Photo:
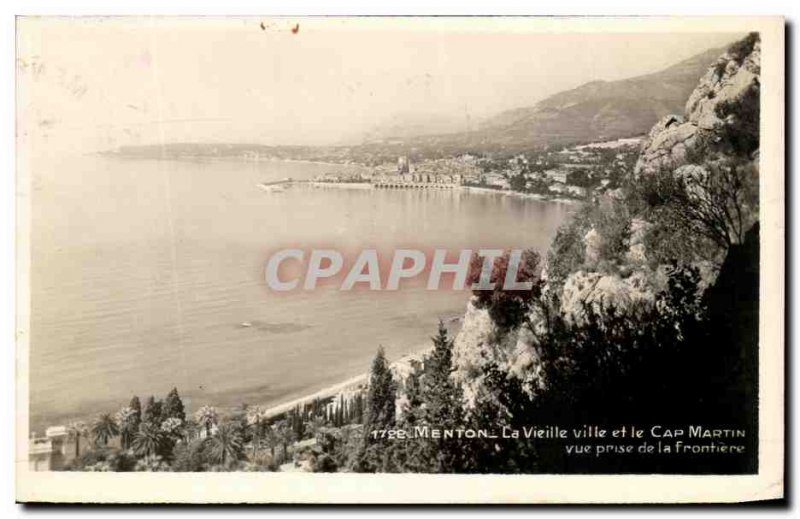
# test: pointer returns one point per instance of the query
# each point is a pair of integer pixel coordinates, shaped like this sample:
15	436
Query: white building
48	452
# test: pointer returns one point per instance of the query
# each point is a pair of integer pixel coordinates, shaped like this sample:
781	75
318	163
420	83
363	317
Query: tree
150	440
518	182
506	307
412	454
717	200
602	369
104	428
190	456
75	431
226	445
255	419
380	415
136	407
443	402
207	418
152	411
284	435
271	438
173	428
173	406
381	393
128	423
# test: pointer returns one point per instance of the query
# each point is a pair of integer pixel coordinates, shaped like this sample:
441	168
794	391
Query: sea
148	274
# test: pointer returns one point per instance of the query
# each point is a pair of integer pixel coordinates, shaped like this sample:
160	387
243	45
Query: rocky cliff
728	82
718	120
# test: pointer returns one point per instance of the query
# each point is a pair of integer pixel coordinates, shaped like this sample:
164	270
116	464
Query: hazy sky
100	83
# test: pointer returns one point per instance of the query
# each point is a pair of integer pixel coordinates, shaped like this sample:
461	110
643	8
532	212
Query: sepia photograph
350	248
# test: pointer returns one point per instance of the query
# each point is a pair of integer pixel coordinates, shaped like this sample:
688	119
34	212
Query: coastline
517	194
352	383
465	189
401	364
272	409
343	185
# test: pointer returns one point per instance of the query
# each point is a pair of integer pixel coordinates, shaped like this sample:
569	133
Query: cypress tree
136	405
152	411
381	394
373	456
173	406
442	398
412	455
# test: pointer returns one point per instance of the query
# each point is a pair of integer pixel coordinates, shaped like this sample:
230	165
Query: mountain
595	111
599	110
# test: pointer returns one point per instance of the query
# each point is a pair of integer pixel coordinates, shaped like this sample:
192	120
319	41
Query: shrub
717	202
740	133
742	48
190	456
507	307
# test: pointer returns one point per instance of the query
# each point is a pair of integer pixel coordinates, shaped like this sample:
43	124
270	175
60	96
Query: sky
99	83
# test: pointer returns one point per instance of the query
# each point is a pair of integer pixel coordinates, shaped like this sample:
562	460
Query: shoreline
465	189
273	409
453	324
341	185
340	387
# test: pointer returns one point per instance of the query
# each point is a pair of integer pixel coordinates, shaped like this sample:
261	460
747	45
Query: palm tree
149	440
75	431
104	428
127	421
271	438
206	417
285	435
226	444
255	417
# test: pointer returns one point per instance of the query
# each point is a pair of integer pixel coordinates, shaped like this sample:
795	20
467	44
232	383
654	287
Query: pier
388	184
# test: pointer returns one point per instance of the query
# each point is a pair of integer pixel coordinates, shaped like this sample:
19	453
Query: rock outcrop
480	343
628	281
729	79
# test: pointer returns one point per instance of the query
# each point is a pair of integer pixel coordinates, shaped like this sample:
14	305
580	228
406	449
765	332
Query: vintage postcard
400	260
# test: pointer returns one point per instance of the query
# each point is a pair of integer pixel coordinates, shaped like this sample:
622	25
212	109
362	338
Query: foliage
190	456
717	201
136	407
76	431
128	423
152	464
443	405
104	428
206	417
609	222
173	428
506	307
739	135
103	459
173	406
150	441
226	445
658	364
742	48
153	412
373	455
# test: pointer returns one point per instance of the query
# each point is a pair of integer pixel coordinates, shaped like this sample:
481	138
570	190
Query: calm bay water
149	274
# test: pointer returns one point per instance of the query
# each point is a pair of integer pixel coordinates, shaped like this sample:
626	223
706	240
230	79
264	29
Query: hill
603	110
